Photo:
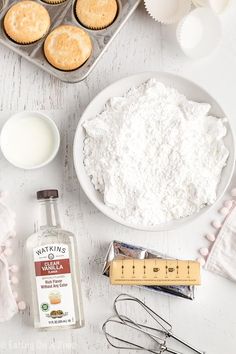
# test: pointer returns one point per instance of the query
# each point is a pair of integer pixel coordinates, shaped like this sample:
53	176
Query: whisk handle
186	344
172	351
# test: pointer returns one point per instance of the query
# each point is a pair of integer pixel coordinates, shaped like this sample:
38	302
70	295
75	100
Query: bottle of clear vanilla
54	270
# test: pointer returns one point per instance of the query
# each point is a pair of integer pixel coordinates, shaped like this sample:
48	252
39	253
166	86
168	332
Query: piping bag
222	257
8	305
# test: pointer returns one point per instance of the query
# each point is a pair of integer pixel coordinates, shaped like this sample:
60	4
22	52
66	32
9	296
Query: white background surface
209	322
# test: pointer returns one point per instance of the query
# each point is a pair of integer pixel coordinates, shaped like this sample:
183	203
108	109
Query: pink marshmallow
14	280
211	237
228	204
8	251
216	224
14	268
21	305
201	260
224	211
204	251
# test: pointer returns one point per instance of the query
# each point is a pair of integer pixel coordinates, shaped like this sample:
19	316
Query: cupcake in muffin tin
107	17
66	47
96	14
26	22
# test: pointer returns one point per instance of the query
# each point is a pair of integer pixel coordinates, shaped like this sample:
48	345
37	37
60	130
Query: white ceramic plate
119	88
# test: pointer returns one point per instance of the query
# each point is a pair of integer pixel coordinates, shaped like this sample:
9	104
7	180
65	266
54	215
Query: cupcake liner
94	28
53	2
167	11
200	3
23	42
218	6
199	33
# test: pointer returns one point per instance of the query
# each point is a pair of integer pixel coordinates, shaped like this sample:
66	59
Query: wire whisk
127	327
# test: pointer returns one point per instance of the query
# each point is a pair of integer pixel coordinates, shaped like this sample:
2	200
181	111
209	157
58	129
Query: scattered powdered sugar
154	155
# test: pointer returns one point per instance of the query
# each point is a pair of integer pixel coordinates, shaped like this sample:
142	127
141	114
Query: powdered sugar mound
154	155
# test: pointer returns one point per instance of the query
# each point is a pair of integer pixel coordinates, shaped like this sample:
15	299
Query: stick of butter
154	272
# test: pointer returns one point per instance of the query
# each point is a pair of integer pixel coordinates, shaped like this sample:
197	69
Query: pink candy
8	252
21	305
211	237
228	204
224	211
14	268
216	224
14	280
204	251
201	261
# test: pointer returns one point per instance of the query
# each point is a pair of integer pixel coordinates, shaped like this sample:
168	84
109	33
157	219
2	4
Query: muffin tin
63	13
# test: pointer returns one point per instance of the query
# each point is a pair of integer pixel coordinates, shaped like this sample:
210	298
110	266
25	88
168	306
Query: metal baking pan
64	14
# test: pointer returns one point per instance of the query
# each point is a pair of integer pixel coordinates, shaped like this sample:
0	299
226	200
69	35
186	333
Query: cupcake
96	14
67	47
26	22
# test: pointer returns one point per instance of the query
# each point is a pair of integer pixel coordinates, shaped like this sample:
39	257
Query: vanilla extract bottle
53	263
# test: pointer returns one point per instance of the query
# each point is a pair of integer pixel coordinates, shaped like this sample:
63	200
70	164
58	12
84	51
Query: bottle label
54	285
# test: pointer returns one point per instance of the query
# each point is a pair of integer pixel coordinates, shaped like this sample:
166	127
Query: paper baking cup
94	28
54	2
218	6
199	3
199	32
167	11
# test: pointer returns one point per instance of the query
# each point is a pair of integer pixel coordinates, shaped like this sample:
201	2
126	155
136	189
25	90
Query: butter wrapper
121	250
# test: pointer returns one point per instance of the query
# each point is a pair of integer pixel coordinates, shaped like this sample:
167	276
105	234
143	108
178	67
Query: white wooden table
209	322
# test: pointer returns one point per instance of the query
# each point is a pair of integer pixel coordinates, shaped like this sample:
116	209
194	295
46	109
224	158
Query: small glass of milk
29	140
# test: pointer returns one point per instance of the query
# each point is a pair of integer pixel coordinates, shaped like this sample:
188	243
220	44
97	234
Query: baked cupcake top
96	14
26	22
67	47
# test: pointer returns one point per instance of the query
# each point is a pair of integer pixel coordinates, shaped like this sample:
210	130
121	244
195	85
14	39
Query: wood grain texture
209	322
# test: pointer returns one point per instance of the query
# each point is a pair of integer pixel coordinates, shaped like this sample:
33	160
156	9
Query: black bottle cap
47	194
